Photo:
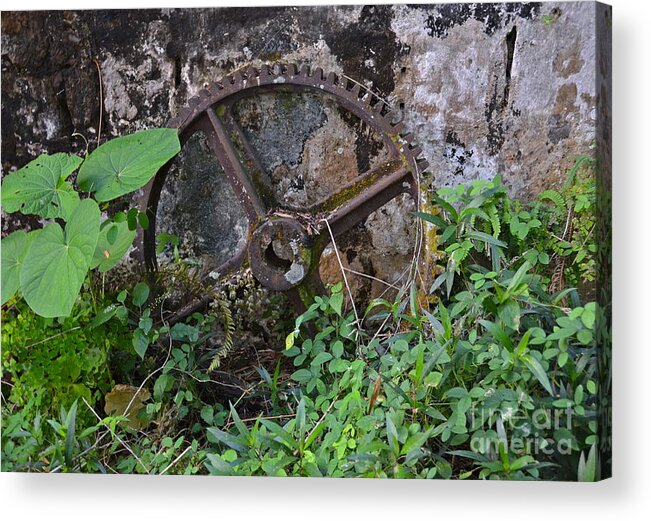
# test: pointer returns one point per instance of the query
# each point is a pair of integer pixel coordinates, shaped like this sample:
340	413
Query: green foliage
480	226
51	362
41	187
50	265
466	389
57	260
492	375
115	239
14	249
124	165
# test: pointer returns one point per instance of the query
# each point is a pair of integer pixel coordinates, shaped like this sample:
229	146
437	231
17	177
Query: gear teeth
355	91
331	79
252	73
305	71
318	74
407	138
215	88
388	117
194	102
415	151
422	164
377	108
368	100
184	114
292	70
265	71
204	94
237	78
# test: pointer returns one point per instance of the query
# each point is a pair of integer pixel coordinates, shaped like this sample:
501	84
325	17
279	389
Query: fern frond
228	323
555	197
494	218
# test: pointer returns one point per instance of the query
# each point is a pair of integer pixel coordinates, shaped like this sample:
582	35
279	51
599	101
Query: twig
83	453
322	417
101	99
343	273
359	273
53	336
277	417
123	443
176	460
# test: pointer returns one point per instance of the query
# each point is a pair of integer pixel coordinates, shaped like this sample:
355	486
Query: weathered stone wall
485	89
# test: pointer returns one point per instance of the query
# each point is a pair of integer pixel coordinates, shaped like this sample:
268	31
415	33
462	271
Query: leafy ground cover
489	372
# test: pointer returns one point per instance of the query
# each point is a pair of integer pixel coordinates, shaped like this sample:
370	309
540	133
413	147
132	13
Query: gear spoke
221	144
249	158
368	193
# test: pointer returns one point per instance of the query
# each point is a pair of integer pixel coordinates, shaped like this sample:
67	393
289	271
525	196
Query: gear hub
280	254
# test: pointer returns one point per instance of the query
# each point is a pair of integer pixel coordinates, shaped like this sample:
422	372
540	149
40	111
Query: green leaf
518	278
321	359
484	237
70	434
497	333
415	441
337	348
105	315
392	435
587	470
14	248
239	424
436	220
114	241
140	342
56	263
125	164
140	294
336	302
143	220
207	414
300	418
280	433
227	439
314	434
524	342
40	187
509	314
218	466
454	216
302	375
538	371
289	340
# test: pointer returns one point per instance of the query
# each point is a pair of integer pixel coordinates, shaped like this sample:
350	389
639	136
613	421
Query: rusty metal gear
285	242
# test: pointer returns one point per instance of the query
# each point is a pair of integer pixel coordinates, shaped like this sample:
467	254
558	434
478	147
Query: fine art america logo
524	429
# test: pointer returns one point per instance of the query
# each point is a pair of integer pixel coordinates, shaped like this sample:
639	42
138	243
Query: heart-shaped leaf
14	248
114	241
41	188
57	261
127	163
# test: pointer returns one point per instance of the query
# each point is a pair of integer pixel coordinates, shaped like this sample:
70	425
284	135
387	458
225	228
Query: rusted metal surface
286	242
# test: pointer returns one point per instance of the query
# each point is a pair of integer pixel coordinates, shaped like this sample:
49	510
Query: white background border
627	495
